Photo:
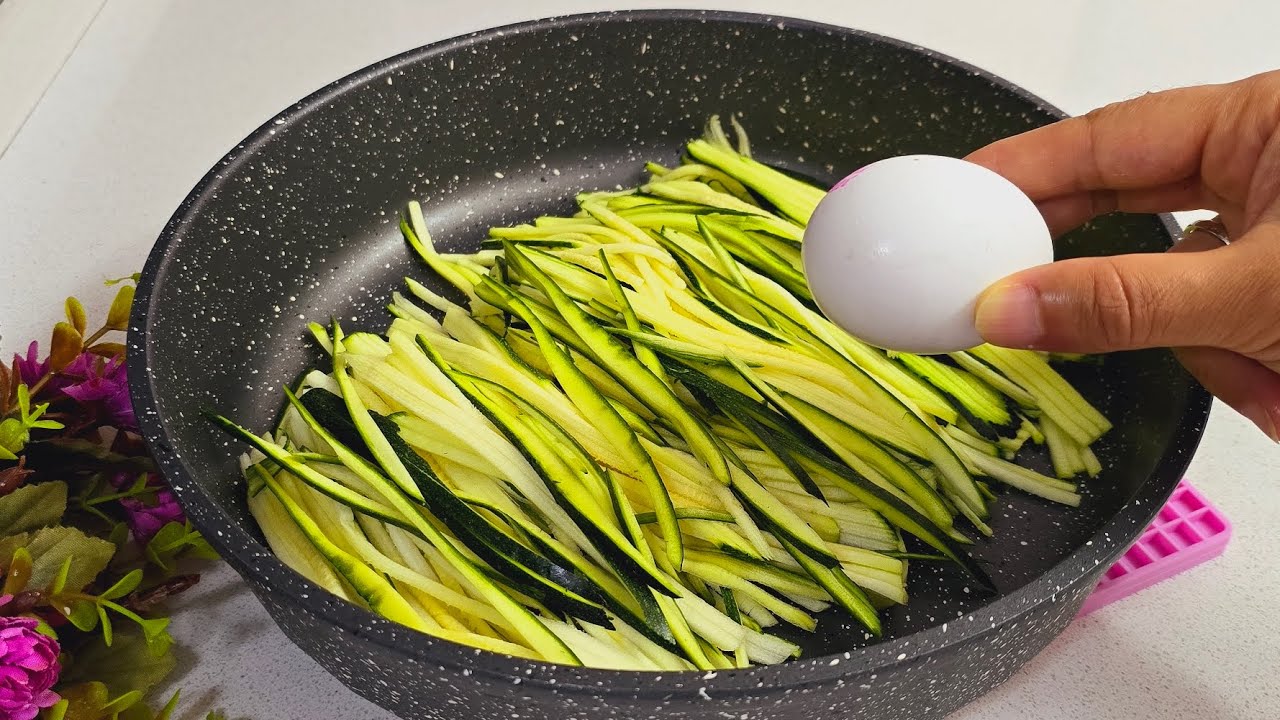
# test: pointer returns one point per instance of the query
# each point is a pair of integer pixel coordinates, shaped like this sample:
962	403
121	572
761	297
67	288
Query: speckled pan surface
297	223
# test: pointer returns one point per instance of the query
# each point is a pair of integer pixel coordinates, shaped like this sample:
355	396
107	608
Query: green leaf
33	506
119	534
169	707
199	547
166	544
11	543
169	537
123	586
154	627
129	664
18	574
81	613
57	712
139	485
137	712
176	540
30	418
15	433
65	345
160	644
85	700
13	437
123	702
46	629
75	315
105	623
139	489
134	278
140	712
118	315
157	636
60	580
51	546
108	349
92	701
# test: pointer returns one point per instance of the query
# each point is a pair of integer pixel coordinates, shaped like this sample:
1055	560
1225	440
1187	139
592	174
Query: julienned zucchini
560	587
637	445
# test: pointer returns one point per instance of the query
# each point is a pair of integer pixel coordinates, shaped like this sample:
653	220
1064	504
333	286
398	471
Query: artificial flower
95	382
145	518
28	669
31	368
90	435
147	512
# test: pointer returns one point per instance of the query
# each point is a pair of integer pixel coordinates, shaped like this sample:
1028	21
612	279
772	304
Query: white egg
898	252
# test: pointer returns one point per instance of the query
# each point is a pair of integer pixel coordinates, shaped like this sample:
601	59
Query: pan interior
497	131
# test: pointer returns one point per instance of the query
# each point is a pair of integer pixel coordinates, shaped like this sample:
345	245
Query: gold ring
1213	228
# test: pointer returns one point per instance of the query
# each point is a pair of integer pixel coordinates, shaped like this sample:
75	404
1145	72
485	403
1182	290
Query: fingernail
1009	315
1265	419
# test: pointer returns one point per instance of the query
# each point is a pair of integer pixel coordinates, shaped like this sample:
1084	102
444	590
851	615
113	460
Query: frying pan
298	222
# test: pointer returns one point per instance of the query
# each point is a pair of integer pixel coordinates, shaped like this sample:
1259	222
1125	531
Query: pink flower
145	520
30	369
91	381
28	669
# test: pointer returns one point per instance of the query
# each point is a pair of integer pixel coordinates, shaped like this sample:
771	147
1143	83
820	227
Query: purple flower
123	479
91	381
145	519
30	369
145	515
28	669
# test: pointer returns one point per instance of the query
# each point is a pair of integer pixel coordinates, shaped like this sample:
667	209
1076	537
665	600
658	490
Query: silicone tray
1188	531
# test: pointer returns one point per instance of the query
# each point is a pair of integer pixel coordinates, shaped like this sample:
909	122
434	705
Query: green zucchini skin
560	588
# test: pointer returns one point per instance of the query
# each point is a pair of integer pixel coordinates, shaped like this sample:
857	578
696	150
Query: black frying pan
298	221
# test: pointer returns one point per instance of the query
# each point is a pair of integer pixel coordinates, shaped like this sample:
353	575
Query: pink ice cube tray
1187	531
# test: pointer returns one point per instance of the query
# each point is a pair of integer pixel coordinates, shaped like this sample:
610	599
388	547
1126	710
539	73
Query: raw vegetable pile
636	444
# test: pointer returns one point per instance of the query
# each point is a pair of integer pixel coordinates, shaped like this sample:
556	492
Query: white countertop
154	93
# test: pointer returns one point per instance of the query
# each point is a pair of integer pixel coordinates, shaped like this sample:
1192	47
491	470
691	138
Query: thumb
1126	302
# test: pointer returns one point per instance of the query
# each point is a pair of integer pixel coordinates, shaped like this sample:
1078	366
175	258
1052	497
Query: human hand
1214	147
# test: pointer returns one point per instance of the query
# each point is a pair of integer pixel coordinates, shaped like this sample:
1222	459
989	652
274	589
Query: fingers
1215	147
1143	155
1244	384
1212	146
1223	297
1104	304
1152	142
1065	212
